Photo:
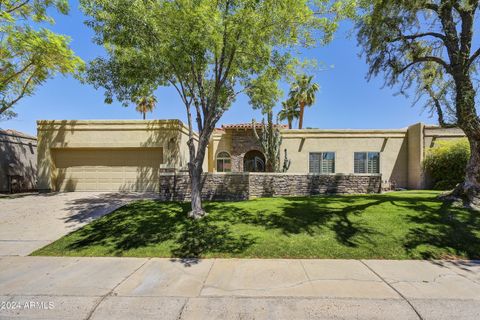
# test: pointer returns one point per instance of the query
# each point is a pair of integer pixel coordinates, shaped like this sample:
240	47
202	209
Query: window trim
322	152
366	162
223	158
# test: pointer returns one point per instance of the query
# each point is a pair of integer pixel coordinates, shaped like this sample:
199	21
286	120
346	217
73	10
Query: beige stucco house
133	155
114	155
396	154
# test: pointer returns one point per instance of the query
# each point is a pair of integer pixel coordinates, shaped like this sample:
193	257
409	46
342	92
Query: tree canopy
406	40
207	47
431	45
30	53
210	51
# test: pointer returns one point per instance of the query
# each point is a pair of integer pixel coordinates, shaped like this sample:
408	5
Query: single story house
18	161
396	154
119	155
110	155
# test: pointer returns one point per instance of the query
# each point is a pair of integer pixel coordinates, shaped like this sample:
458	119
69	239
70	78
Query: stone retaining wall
243	186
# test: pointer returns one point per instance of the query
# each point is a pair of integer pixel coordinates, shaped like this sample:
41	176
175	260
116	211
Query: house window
224	162
322	162
366	162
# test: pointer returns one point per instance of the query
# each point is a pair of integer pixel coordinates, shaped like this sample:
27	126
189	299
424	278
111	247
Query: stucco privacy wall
416	151
18	157
433	134
242	186
420	139
127	138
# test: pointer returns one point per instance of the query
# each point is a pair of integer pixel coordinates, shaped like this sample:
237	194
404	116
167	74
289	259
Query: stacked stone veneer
243	141
243	186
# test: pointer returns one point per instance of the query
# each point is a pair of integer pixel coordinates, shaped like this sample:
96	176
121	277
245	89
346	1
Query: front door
254	161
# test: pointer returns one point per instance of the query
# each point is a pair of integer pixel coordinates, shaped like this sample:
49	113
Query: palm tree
146	104
303	92
289	112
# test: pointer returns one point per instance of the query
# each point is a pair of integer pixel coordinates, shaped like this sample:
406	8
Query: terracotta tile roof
247	126
15	133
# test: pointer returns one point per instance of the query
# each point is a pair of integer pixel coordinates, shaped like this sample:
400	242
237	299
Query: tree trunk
289	123
441	118
471	185
438	107
144	115
196	194
195	170
300	118
270	156
468	121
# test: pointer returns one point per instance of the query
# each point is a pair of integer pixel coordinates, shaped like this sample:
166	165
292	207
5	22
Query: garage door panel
142	187
82	187
144	174
110	175
133	169
109	186
87	174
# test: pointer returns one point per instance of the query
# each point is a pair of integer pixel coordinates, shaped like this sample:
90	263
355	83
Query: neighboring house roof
15	133
248	126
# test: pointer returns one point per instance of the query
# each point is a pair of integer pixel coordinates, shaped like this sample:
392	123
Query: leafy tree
289	112
438	89
208	50
439	101
29	53
400	37
303	93
146	104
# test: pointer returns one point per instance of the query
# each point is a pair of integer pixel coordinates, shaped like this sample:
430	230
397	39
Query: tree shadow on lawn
309	214
445	233
433	225
146	224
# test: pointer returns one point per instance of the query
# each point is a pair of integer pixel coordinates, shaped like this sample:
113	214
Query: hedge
445	163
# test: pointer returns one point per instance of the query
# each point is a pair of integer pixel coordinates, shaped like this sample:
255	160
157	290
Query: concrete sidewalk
134	288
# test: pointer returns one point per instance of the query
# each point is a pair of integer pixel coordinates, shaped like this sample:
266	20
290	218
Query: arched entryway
254	161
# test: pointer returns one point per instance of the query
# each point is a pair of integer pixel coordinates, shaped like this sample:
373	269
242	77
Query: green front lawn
400	225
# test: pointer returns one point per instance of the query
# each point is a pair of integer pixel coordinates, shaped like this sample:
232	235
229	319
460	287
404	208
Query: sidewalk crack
180	314
394	289
206	278
305	271
109	293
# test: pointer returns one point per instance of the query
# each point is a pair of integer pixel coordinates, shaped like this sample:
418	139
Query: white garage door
132	169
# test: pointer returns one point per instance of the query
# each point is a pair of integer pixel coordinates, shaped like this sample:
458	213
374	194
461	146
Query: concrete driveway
30	222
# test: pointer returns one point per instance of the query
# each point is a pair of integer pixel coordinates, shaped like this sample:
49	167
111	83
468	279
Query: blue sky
345	100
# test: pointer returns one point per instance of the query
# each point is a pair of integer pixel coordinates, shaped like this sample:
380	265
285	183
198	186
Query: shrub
445	163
